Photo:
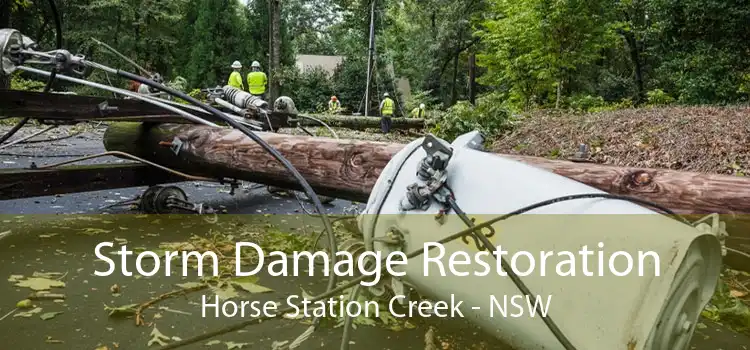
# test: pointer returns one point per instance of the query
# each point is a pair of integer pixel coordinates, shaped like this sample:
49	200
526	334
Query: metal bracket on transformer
431	170
716	228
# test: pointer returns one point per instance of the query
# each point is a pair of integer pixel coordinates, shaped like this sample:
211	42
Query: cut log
363	123
348	169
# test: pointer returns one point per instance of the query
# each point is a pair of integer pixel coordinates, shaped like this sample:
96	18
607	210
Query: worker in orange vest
334	105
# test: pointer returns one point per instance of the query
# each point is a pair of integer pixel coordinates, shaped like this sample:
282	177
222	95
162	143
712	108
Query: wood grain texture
25	183
349	168
342	168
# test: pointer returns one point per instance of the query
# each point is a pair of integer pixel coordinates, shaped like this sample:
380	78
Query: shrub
585	103
19	83
489	116
658	97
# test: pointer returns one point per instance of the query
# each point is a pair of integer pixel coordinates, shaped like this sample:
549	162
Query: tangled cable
472	230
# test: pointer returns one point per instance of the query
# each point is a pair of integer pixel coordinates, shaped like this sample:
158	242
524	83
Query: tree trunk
363	123
455	78
634	48
4	23
472	77
275	61
635	56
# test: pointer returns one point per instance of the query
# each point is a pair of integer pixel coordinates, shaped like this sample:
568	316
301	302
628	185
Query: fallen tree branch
139	310
363	123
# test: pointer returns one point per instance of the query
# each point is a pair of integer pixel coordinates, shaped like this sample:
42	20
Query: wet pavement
48	234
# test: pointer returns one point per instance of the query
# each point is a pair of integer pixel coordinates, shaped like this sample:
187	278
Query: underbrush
702	139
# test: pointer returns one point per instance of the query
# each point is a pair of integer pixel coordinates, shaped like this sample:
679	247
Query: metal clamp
432	170
105	109
717	228
176	145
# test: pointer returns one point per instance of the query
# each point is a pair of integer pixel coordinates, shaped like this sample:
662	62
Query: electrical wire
336	136
53	139
132	157
48	86
21	140
468	231
117	53
738	252
14	130
268	148
551	325
181	112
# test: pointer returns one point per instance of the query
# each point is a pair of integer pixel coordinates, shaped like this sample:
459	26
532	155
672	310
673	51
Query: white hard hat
421	105
385	94
236	64
255	64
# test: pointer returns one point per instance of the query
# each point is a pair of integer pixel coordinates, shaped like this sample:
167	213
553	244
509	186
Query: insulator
243	99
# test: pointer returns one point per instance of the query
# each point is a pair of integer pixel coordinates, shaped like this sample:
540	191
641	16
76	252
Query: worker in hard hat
257	81
418	112
386	113
235	79
334	105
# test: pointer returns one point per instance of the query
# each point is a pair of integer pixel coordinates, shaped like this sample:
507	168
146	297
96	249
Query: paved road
54	243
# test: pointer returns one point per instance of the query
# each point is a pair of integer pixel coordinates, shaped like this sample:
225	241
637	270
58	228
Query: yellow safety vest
334	105
256	82
417	113
235	80
387	108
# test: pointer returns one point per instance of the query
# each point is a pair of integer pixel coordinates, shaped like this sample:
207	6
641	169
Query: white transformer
631	312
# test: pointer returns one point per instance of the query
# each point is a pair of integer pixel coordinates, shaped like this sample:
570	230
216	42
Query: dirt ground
702	139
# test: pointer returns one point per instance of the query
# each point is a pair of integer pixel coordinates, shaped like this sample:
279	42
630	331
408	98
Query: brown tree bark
349	168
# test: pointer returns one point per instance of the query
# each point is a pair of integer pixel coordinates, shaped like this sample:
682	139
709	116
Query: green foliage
586	103
178	83
592	104
19	83
727	309
426	97
658	97
310	90
489	116
537	45
582	55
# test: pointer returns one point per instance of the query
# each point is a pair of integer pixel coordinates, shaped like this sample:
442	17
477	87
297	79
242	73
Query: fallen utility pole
362	123
348	169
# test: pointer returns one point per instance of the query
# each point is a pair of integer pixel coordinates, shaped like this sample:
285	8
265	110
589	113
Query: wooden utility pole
274	20
349	168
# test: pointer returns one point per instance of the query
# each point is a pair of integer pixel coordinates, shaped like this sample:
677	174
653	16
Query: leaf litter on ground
49	315
29	313
158	338
40	283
